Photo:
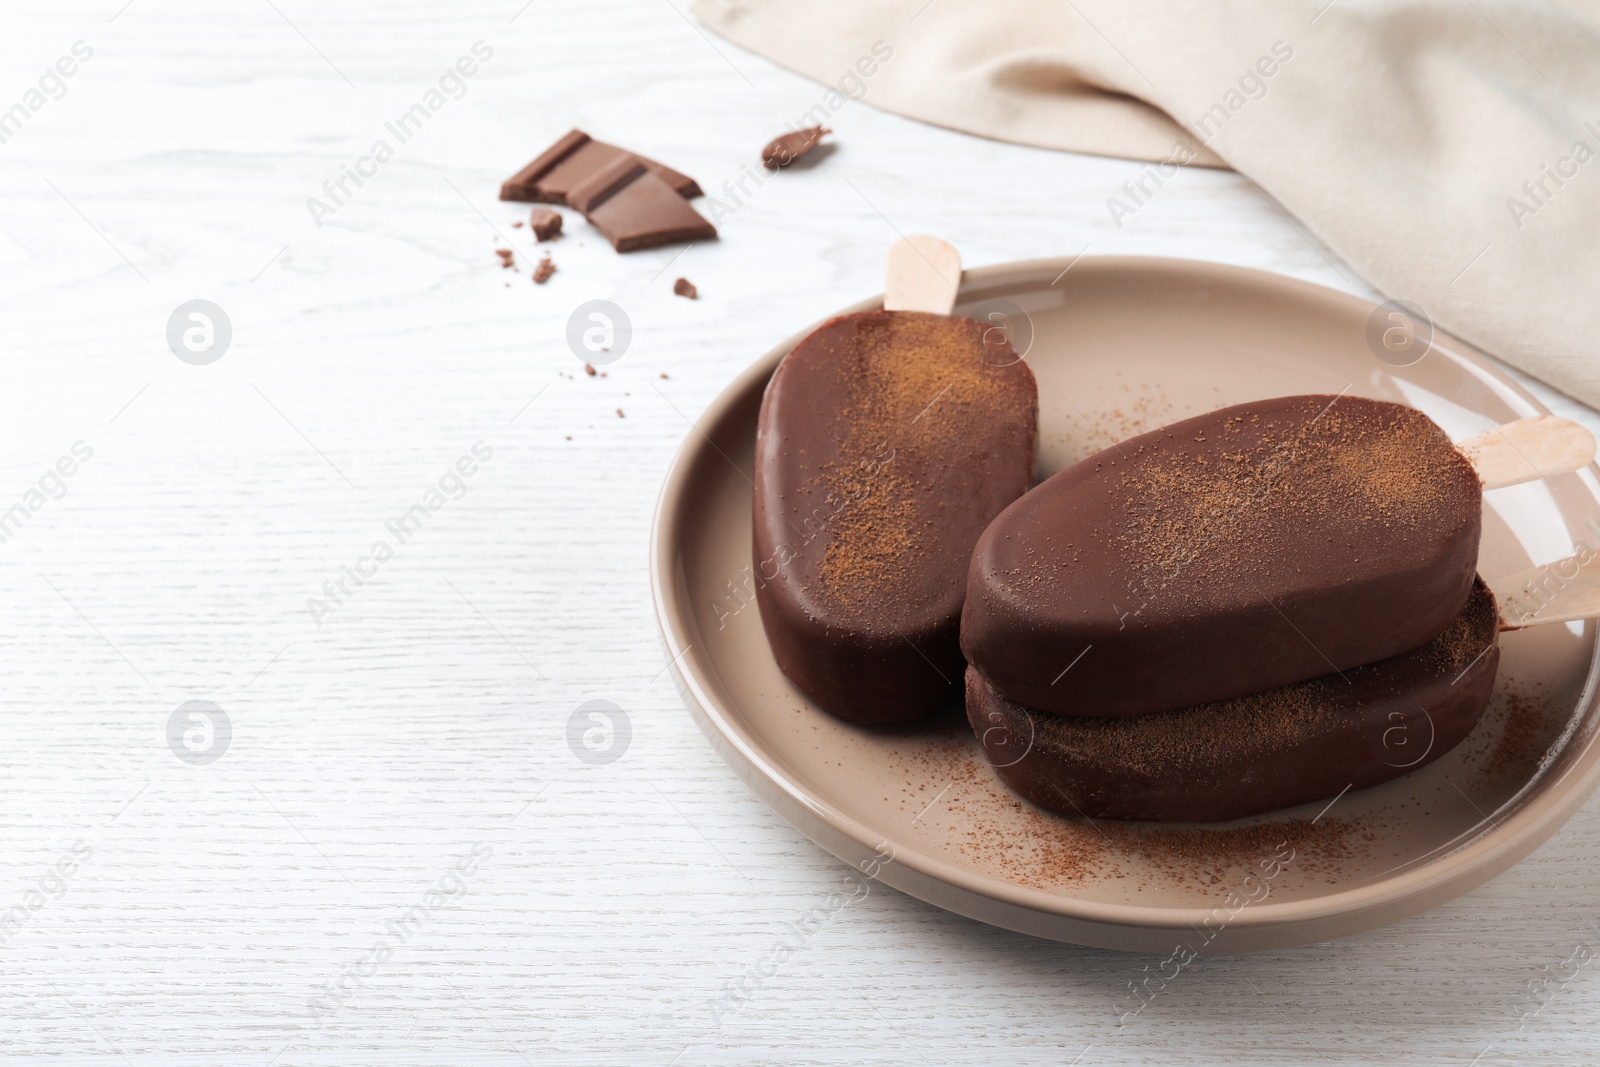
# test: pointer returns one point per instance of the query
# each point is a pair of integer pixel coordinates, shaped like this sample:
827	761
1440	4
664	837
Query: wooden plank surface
399	809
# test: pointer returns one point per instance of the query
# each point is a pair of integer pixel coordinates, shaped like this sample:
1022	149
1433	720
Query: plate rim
1459	869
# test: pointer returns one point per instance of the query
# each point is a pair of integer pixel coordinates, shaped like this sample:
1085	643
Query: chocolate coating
1254	547
887	441
1254	754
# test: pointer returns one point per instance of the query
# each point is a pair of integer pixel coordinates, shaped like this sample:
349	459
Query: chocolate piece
887	441
544	270
570	160
684	287
604	183
1254	547
635	209
546	223
507	257
1286	746
784	150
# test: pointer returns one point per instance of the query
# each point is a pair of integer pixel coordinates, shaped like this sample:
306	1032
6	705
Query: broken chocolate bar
635	208
549	179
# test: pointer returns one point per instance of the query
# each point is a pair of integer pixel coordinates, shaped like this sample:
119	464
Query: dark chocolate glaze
1253	547
1249	755
887	442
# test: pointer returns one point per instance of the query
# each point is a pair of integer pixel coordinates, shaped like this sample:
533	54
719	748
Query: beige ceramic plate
1121	345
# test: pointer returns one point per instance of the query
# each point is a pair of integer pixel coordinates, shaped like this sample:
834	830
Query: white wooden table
399	858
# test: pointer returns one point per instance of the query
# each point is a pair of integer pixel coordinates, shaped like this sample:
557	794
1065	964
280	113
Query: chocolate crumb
663	374
785	149
589	370
684	287
517	225
507	257
620	415
546	223
544	270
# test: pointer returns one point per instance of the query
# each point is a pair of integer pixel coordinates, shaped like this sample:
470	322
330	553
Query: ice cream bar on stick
1251	754
887	441
1296	744
1254	547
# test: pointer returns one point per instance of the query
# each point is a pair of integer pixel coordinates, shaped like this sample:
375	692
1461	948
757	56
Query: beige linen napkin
1449	150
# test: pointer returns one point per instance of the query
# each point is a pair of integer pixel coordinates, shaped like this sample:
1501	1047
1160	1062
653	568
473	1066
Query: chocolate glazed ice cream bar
1254	547
1274	746
887	441
1256	753
1292	745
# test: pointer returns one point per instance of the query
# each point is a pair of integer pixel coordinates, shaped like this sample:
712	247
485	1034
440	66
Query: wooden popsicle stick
1528	449
923	275
1563	591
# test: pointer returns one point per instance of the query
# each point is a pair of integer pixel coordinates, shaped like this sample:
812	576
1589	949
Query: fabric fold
1447	151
